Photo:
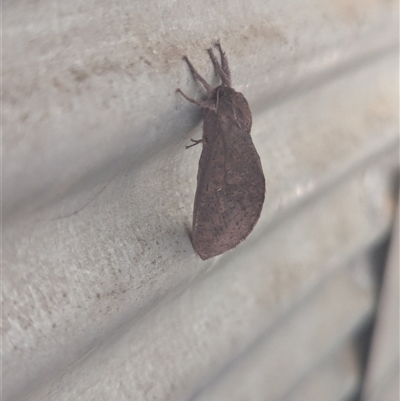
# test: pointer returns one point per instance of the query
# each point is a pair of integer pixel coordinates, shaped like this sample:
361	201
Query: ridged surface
103	295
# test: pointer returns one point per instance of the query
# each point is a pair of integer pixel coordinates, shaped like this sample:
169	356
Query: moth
230	181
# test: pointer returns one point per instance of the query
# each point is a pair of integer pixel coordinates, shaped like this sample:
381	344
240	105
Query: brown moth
230	181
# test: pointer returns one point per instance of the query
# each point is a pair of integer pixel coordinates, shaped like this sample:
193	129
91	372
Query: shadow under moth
230	181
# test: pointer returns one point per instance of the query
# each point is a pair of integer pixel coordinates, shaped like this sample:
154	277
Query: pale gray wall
103	296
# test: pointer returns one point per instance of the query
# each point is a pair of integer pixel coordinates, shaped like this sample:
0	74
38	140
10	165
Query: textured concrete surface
334	379
278	366
103	297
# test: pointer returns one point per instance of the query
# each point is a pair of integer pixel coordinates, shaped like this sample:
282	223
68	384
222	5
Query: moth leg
224	63
196	142
207	104
198	76
218	68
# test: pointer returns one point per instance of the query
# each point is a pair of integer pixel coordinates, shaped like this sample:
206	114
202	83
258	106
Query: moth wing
230	190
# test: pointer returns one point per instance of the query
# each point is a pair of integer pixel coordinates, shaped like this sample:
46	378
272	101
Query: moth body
230	181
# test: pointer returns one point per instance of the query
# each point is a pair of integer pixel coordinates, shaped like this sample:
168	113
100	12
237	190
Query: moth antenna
218	68
224	63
